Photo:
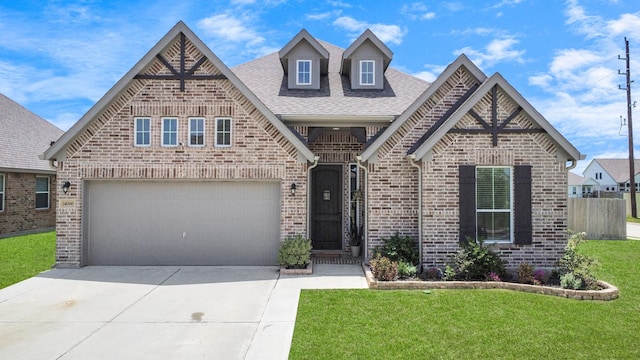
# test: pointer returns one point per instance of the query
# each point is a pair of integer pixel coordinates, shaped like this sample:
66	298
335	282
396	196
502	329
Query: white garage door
181	223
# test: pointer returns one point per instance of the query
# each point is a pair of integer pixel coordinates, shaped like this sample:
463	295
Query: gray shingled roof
618	168
265	78
24	136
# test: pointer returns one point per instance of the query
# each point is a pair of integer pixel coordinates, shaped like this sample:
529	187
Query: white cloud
417	11
498	50
386	33
505	3
231	28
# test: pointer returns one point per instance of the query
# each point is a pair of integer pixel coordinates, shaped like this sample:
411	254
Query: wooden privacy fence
601	219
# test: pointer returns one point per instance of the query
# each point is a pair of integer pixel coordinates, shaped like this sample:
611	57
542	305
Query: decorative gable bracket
182	74
494	128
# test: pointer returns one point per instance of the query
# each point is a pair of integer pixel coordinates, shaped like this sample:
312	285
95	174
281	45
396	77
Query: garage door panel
183	223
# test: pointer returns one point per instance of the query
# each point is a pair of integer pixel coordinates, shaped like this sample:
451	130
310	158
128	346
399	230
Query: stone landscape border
608	292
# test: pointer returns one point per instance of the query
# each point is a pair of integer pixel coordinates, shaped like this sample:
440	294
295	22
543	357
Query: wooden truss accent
494	128
183	74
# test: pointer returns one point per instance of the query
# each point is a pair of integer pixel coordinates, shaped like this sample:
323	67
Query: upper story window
196	132
223	132
142	132
169	132
42	192
367	73
494	203
303	72
1	192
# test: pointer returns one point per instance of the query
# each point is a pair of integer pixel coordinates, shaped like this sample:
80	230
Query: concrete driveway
158	312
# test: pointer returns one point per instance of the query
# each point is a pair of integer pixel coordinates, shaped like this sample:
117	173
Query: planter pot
355	251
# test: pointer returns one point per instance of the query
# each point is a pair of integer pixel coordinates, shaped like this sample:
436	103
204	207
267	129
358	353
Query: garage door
181	223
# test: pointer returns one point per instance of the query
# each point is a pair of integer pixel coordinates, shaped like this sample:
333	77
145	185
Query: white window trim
135	131
163	131
48	192
3	183
230	132
298	72
511	206
373	72
204	132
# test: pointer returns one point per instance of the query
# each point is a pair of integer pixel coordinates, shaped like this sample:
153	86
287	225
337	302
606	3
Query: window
494	205
223	132
42	192
367	72
169	132
1	192
575	191
196	132
304	72
142	132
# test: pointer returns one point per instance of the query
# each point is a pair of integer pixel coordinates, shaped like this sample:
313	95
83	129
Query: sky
58	58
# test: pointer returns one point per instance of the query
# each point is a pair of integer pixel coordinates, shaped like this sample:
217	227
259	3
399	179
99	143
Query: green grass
22	257
480	324
632	219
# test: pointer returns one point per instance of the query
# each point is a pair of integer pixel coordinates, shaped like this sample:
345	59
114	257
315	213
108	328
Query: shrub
539	277
399	248
474	261
569	281
295	252
433	273
383	268
492	277
406	270
580	266
525	273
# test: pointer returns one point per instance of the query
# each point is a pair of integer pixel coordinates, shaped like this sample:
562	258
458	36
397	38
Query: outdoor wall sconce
293	189
66	186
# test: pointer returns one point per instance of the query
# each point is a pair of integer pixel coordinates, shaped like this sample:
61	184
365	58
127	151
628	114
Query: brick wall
105	149
20	214
392	194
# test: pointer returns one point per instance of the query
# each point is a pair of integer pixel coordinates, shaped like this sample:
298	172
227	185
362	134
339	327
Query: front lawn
22	257
481	324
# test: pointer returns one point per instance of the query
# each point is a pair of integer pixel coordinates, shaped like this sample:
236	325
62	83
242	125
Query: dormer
365	62
304	60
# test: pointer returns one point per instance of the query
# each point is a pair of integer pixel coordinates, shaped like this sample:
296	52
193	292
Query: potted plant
356	239
295	254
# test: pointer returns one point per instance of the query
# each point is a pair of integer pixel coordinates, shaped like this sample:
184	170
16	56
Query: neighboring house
580	186
612	175
27	184
185	161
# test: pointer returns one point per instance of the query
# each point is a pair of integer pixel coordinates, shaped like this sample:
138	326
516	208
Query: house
580	186
612	175
27	184
186	161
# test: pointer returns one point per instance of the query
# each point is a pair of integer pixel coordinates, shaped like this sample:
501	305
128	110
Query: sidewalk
633	231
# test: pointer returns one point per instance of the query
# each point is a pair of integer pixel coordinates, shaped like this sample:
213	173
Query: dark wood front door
326	207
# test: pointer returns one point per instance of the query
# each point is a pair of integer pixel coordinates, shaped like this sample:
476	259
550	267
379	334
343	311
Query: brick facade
105	149
20	214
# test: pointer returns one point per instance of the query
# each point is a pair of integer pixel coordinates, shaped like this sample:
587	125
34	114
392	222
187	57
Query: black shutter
522	208
467	200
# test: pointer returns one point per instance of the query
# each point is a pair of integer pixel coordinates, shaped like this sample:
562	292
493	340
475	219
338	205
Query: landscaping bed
607	292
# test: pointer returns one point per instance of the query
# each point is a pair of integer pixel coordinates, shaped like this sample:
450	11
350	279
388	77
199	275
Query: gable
497	110
179	58
426	111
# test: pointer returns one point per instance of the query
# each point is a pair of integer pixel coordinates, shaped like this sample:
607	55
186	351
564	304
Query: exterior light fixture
66	186
293	189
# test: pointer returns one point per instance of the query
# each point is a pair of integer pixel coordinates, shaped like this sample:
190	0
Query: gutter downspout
412	162
366	209
315	163
573	165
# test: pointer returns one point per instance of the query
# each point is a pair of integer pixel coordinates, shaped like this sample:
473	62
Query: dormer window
367	72
303	76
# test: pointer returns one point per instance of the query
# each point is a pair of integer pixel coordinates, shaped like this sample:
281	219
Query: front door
326	207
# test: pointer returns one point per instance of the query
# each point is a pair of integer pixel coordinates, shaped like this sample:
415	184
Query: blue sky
57	58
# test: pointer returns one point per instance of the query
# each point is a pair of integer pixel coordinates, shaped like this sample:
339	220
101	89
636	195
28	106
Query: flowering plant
493	277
